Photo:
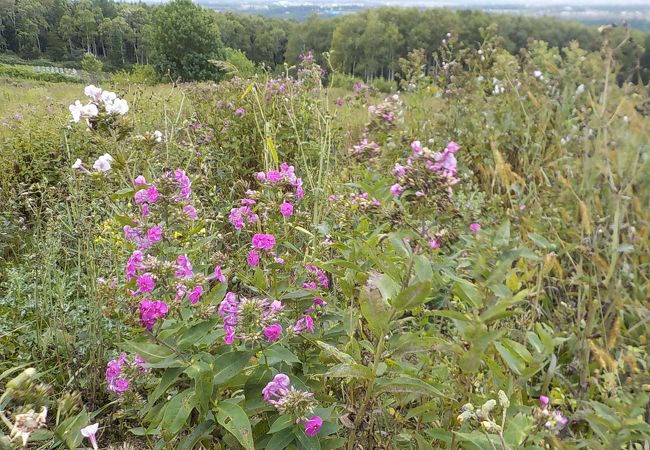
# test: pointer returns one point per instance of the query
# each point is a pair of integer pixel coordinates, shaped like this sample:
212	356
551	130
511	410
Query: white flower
118	106
89	110
89	432
103	163
480	52
93	92
537	73
75	110
395	97
580	89
157	135
108	96
77	164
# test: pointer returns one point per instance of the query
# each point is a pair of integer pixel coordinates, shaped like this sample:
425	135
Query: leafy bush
384	85
24	72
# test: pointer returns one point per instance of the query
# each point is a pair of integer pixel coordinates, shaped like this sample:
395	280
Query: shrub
384	85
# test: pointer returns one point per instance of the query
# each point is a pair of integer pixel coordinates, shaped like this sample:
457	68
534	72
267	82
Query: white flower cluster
99	99
102	164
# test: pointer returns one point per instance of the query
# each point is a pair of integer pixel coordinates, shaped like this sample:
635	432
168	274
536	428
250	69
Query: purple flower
196	294
276	388
145	283
263	241
184	267
119	385
140	181
305	323
274	176
261	176
544	401
154	234
435	243
273	332
475	227
133	264
452	147
286	209
150	311
218	275
253	258
313	425
184	184
130	233
396	190
239	112
190	212
339	102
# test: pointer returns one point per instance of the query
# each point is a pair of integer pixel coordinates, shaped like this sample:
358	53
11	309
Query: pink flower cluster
386	112
246	318
364	149
552	420
317	278
416	174
285	177
280	393
150	311
241	216
361	201
116	372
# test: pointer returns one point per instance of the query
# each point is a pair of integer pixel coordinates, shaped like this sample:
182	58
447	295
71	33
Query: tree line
179	37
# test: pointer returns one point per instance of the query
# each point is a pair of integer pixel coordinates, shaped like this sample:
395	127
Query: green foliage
185	39
384	85
27	73
91	64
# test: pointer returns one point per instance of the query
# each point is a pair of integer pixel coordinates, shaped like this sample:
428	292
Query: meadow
273	262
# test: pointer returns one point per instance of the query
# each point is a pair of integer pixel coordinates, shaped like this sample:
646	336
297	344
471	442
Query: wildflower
240	216
253	259
313	425
25	424
538	74
396	190
157	136
139	181
103	163
218	275
184	183
275	388
77	164
145	283
190	212
339	102
239	112
544	401
305	323
261	176
134	264
273	332
580	89
286	209
93	92
89	432
263	241
184	267
475	227
150	311
435	243
118	106
196	294
274	176
154	234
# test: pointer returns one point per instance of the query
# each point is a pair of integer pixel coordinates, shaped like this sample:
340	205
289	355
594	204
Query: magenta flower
544	401
154	234
150	311
119	385
475	227
196	294
190	212
184	267
305	323
263	241
273	332
273	176
276	388
130	233
339	102
134	264
452	147
145	283
253	259
218	275
286	209
140	181
313	425
261	176
396	190
184	184
435	243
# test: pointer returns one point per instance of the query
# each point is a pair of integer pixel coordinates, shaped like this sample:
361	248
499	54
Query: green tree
184	40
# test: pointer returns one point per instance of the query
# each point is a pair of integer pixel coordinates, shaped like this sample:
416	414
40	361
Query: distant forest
367	44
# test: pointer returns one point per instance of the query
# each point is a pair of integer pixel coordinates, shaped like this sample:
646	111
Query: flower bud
488	406
503	400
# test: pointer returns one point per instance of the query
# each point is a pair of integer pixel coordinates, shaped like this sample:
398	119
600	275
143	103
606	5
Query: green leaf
169	377
277	353
282	422
305	442
468	293
229	364
201	373
375	309
177	411
413	296
350	371
502	236
388	287
195	333
406	384
422	268
280	441
152	353
232	417
517	429
198	433
122	193
335	352
514	362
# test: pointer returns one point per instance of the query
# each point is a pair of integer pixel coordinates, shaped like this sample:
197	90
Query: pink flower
273	332
239	112
306	323
435	243
475	227
453	147
184	184
263	241
286	209
150	311
274	176
133	264
154	234
416	146
119	385
218	275
339	102
276	388
196	294
184	267
396	190
89	432
313	425
145	283
140	181
261	176
190	212
253	259
544	401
